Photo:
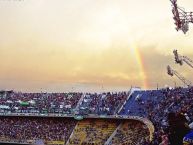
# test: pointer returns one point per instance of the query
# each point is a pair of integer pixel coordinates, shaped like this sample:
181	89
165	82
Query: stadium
132	116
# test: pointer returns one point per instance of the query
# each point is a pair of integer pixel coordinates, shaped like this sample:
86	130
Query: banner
55	142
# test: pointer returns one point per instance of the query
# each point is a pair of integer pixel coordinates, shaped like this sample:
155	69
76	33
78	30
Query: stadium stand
157	104
102	104
29	129
130	133
62	130
17	102
153	105
94	132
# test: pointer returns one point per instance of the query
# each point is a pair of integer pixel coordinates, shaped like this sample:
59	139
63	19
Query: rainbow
141	65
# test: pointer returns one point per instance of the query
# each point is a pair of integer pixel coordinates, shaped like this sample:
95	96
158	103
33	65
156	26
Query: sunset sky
90	45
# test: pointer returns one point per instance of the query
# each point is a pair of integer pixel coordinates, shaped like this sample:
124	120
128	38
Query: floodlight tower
172	72
180	59
181	17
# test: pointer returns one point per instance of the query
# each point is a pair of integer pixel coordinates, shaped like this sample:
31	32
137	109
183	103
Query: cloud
50	44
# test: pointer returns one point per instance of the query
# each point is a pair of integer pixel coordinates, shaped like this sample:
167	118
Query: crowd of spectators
71	132
17	102
102	104
155	105
178	102
158	104
131	133
93	132
25	129
63	103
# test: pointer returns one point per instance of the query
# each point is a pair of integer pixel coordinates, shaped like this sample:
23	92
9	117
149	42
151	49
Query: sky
90	45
